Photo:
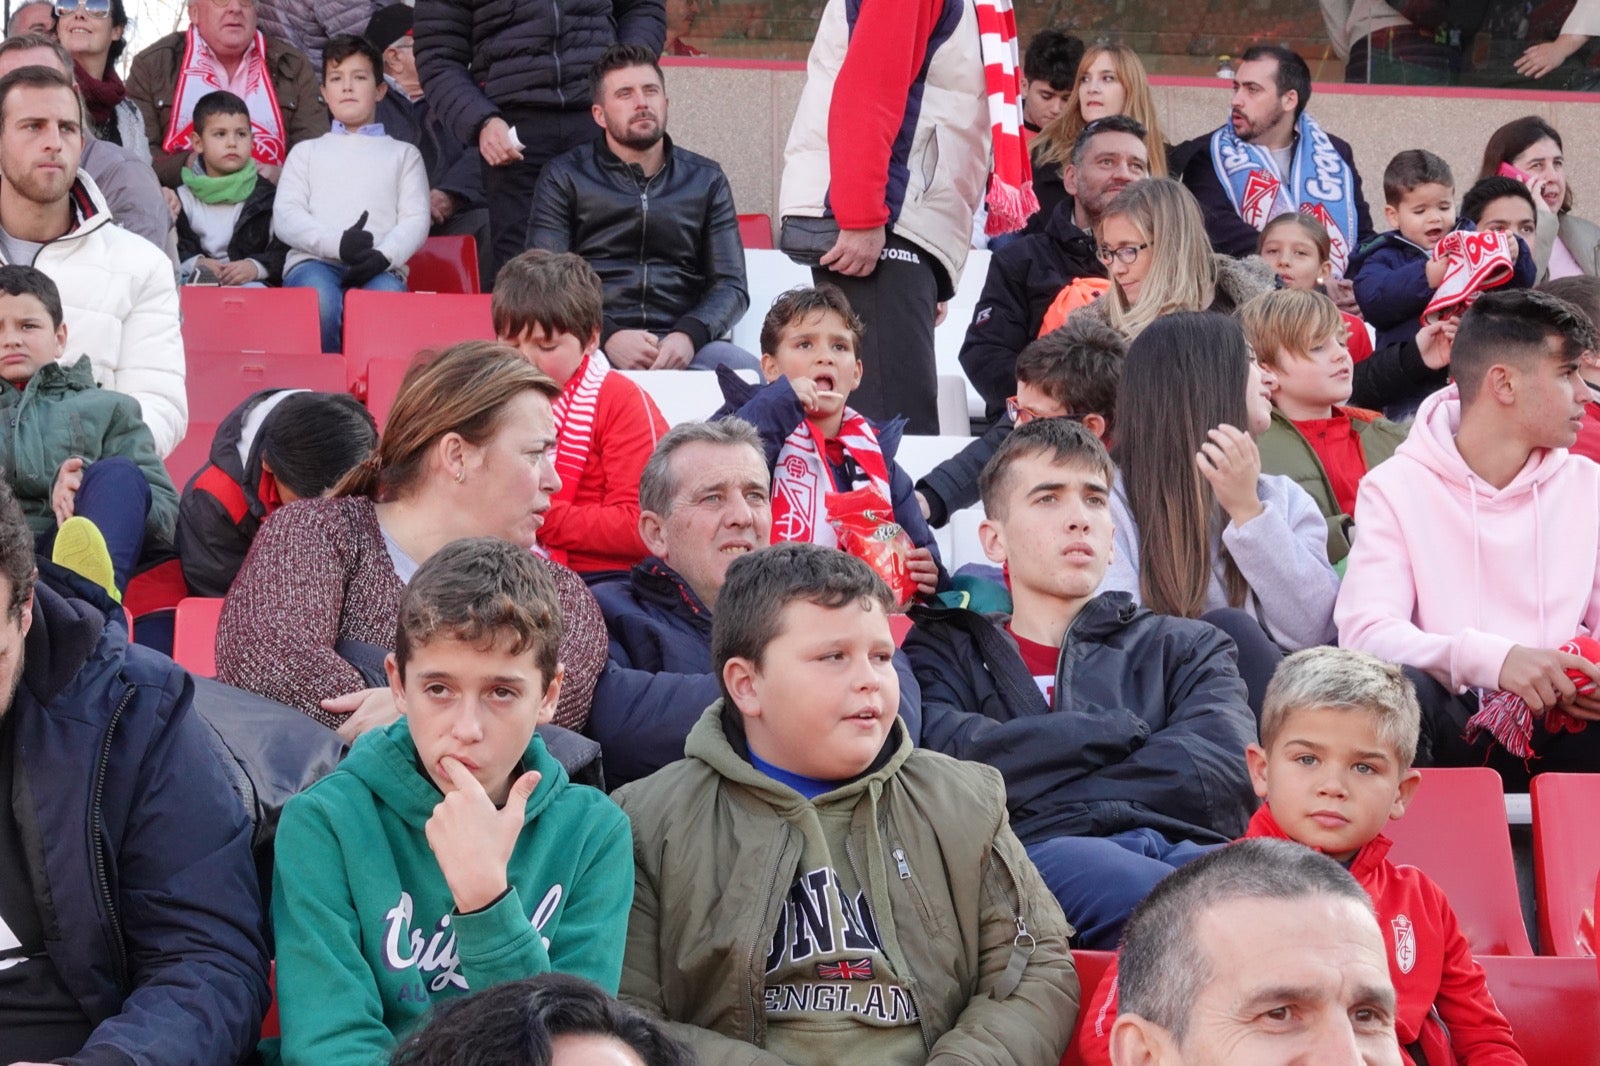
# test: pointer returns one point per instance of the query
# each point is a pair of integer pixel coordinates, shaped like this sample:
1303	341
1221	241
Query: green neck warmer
228	189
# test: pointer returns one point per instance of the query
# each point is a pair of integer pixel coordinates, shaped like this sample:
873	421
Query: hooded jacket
970	932
666	247
368	936
121	306
660	677
148	892
1148	729
62	413
1449	573
1444	1013
1024	279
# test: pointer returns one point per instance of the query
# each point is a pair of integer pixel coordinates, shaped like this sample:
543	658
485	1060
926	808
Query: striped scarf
201	73
802	483
574	414
1010	199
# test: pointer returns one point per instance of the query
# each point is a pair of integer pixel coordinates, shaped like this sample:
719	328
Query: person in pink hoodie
1479	552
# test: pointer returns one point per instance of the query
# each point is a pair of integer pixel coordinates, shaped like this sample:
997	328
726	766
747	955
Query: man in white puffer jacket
117	288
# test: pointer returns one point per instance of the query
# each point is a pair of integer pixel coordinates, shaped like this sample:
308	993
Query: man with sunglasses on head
1026	275
223	49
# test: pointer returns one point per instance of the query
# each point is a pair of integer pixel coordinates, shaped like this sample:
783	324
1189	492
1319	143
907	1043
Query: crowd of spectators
1248	476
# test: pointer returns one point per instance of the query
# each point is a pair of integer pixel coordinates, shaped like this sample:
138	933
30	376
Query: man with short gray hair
1262	952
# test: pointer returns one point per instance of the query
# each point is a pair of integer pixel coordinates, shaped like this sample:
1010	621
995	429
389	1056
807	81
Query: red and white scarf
1011	199
801	482
1478	261
202	72
575	411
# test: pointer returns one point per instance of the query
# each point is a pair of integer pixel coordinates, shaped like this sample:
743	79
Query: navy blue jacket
1148	730
660	679
1391	283
148	895
775	411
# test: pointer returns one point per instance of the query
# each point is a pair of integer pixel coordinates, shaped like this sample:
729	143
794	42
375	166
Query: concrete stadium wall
739	113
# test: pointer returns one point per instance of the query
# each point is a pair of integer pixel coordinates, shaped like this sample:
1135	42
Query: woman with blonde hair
1111	81
1152	239
468	452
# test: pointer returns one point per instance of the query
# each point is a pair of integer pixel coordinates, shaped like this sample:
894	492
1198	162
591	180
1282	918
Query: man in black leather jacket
655	221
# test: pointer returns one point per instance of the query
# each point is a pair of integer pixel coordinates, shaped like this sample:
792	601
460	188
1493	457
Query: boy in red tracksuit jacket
1338	734
548	307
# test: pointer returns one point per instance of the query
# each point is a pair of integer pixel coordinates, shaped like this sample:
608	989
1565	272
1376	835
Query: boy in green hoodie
449	851
810	888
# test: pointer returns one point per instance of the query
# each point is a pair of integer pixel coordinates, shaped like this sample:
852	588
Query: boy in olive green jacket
810	888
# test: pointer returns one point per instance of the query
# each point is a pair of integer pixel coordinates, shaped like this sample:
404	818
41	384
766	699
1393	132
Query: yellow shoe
81	548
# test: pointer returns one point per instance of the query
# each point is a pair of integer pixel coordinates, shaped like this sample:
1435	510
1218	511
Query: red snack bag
864	523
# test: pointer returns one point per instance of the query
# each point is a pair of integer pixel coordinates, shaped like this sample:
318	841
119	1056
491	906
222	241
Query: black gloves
370	265
355	243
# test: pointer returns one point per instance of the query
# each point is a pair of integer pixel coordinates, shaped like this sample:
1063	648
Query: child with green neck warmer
224	208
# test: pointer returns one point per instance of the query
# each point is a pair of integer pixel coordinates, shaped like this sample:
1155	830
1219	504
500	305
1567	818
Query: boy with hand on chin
816	444
1338	735
810	888
449	851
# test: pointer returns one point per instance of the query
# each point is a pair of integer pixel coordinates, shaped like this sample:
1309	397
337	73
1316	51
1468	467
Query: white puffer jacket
121	307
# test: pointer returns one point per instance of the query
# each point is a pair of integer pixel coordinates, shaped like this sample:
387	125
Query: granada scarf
1478	261
201	73
1320	184
1011	199
574	414
801	482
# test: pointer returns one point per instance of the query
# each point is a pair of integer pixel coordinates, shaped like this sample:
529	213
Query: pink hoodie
1447	573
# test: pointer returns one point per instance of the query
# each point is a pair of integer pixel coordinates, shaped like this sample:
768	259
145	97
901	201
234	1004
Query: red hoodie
1443	1007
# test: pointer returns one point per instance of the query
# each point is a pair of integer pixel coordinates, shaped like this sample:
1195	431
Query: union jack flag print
845	970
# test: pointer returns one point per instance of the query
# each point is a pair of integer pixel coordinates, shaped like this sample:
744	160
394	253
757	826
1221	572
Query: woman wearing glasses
1152	239
92	33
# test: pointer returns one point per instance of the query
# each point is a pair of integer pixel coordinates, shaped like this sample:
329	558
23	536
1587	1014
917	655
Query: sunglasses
93	8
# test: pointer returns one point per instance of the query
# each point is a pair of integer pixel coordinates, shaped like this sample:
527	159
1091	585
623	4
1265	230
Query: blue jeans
724	353
115	496
328	281
1099	880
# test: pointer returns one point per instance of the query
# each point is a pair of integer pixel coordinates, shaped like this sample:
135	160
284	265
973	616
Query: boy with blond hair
1325	446
547	305
809	887
1339	733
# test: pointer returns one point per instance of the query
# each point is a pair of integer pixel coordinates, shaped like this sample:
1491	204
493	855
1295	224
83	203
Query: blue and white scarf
1320	184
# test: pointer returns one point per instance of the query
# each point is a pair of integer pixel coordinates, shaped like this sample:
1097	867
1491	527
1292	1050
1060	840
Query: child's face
1332	782
352	90
1291	252
28	339
225	144
1320	377
478	706
558	354
1509	214
821	348
825	695
1424	214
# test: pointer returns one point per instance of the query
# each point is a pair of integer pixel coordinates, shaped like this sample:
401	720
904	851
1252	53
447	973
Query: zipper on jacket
644	237
97	839
758	1011
900	861
908	980
1022	944
555	53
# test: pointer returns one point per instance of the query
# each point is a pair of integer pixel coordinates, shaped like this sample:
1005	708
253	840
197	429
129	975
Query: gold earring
461	476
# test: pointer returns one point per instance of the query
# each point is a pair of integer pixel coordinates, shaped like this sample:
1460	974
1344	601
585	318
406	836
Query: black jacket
666	247
1023	281
1148	731
1190	163
480	59
453	166
148	895
252	234
953	485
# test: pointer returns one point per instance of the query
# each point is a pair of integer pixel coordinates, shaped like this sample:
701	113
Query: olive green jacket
1285	450
966	922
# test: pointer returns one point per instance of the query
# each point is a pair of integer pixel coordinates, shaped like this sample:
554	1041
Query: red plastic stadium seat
755	231
1455	832
194	636
1092	966
217	381
228	319
1566	860
398	325
1553	1006
444	264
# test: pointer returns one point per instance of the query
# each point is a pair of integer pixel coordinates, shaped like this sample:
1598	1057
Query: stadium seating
768	274
1566	861
396	326
1553	1005
1091	967
257	321
444	264
194	641
682	395
1455	832
755	231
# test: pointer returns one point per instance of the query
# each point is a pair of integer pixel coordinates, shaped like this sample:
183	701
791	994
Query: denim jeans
328	281
1099	880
